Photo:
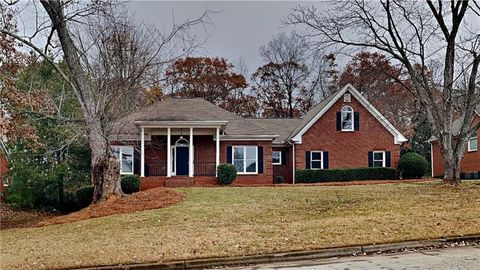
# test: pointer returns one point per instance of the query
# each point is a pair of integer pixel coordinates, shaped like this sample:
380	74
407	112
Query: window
378	159
347	118
277	157
124	155
316	160
472	144
245	159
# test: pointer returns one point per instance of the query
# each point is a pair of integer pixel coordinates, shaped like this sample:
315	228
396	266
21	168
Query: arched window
347	118
181	142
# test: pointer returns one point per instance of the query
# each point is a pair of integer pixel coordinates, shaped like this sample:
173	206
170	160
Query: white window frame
470	149
384	159
120	151
245	158
316	160
279	158
342	112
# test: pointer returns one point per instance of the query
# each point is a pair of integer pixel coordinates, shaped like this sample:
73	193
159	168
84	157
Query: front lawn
213	222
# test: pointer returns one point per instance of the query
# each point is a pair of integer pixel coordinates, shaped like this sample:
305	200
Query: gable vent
347	97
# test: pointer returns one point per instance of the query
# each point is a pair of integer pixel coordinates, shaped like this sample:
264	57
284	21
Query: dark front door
182	161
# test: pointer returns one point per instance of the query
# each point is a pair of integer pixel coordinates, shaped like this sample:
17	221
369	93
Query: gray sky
238	30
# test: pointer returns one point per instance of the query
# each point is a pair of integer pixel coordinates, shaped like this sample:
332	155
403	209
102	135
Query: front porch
179	151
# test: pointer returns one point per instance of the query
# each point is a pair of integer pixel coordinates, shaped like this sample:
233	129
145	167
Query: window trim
121	147
245	159
353	118
279	158
384	159
469	146
316	160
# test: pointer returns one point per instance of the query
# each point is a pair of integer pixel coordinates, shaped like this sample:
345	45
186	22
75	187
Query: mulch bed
143	200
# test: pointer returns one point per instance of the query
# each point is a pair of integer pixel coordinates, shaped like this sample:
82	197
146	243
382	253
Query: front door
181	161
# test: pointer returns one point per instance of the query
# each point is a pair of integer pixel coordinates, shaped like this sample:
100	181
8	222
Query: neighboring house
470	165
180	141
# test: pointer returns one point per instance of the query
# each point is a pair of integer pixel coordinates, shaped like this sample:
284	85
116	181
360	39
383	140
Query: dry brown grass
213	222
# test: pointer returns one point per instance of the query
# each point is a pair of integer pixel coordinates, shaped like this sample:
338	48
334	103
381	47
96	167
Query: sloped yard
212	222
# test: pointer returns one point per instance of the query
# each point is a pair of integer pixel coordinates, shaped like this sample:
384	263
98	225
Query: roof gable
319	110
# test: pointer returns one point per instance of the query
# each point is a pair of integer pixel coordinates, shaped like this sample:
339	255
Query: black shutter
284	157
307	159
370	159
388	159
229	155
339	121
260	159
356	120
325	159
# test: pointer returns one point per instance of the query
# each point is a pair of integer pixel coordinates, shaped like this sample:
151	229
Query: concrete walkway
460	258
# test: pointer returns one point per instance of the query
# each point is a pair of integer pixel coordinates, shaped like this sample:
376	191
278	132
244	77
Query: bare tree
108	58
292	79
423	37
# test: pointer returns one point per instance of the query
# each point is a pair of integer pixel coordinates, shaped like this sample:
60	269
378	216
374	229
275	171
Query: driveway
437	259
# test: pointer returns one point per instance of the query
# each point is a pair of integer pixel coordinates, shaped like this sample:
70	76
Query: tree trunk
451	163
105	168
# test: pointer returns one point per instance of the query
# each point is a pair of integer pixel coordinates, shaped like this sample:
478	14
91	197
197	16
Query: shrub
340	175
226	173
412	165
84	196
278	179
130	184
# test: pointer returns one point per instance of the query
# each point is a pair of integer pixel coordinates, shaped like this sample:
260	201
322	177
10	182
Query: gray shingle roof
281	127
187	109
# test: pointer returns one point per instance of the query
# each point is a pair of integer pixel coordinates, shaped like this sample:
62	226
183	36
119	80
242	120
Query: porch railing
159	168
204	168
156	168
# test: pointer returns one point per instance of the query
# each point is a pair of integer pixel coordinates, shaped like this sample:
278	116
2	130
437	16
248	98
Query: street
437	259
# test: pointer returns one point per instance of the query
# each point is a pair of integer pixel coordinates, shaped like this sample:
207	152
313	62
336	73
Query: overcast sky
237	30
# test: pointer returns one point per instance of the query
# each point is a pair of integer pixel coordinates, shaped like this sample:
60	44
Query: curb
290	256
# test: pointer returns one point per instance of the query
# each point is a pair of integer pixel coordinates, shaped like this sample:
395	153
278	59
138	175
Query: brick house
470	166
180	141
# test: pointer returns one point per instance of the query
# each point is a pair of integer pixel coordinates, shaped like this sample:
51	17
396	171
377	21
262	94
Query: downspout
431	157
293	161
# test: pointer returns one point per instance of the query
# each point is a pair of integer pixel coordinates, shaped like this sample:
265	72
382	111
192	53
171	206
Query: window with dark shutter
356	120
339	121
307	159
260	159
388	159
370	159
229	155
325	160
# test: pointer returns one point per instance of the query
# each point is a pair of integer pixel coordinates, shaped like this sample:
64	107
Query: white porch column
169	154
142	153
190	155
217	150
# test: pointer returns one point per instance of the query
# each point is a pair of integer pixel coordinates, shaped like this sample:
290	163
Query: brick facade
347	149
470	162
286	169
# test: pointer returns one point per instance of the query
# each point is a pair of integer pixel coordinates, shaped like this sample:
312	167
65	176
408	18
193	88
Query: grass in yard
213	222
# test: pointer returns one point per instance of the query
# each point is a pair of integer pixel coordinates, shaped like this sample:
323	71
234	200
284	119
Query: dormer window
347	118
